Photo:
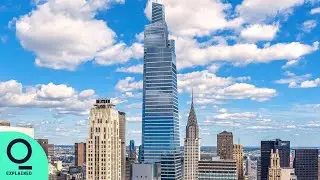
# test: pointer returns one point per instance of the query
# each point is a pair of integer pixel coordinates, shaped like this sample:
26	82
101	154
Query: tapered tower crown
158	13
192	130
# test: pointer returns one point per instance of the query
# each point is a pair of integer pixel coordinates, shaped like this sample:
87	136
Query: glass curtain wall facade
160	119
284	152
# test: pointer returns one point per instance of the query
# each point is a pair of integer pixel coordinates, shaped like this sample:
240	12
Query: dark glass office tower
160	120
306	164
284	152
132	150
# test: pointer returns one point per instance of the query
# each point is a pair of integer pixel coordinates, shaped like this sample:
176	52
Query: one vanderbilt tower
160	120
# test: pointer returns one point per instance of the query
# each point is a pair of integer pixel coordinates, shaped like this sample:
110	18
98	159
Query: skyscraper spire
192	121
191	145
192	98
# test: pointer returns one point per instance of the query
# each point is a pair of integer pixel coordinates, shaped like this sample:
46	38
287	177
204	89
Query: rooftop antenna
192	97
158	1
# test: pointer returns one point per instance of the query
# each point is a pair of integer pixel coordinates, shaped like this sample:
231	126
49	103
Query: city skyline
50	77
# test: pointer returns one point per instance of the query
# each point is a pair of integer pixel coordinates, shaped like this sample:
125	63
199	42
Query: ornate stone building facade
274	169
238	156
191	146
104	142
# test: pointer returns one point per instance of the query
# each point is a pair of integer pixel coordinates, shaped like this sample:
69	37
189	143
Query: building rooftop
103	103
4	123
225	133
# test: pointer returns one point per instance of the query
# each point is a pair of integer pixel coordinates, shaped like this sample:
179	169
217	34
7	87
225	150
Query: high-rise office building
191	146
318	167
131	159
48	148
306	164
225	145
259	168
160	115
122	135
104	143
132	150
284	154
44	144
140	154
274	172
51	156
251	169
80	154
217	169
129	162
238	157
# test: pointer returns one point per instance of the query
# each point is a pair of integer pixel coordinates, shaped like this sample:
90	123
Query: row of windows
162	97
160	66
172	116
160	107
151	139
153	30
160	101
160	84
161	135
159	95
156	86
147	113
161	88
158	79
153	154
171	91
157	50
152	73
159	71
159	57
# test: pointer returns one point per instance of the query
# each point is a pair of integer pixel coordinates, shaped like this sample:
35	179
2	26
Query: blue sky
253	65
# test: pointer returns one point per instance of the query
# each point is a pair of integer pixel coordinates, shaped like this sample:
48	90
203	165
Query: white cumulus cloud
132	69
129	84
210	88
299	81
309	25
315	11
61	98
65	34
258	10
190	53
196	18
259	32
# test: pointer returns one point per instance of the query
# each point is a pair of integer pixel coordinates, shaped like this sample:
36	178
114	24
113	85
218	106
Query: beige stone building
225	145
122	126
191	147
274	169
278	173
238	157
288	174
104	143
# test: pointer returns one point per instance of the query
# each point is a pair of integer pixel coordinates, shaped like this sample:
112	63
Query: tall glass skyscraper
160	119
284	151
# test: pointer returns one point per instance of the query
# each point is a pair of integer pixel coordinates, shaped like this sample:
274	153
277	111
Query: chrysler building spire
191	146
192	122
